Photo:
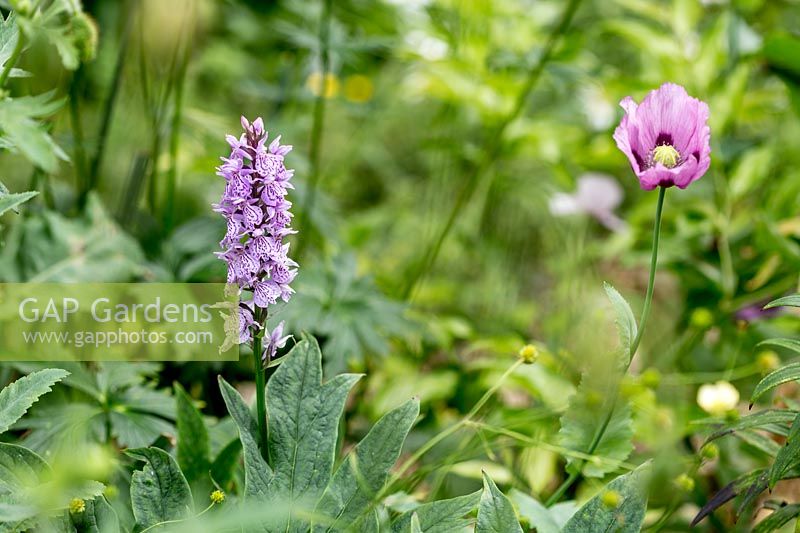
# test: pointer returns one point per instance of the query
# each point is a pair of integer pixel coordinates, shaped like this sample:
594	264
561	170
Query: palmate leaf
193	448
627	517
441	516
16	398
364	471
304	419
495	512
257	473
159	492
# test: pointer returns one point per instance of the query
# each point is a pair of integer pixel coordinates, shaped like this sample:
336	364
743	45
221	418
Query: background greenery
430	137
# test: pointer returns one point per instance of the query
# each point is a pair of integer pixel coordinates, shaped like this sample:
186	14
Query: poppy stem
648	299
598	436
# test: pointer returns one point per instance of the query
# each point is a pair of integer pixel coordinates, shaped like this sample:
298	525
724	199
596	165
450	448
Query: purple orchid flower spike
274	342
666	137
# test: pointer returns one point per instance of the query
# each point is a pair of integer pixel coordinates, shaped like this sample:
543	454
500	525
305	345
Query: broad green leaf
785	374
788	456
441	516
789	344
495	512
11	201
778	518
535	514
583	420
793	300
134	429
16	398
193	448
626	517
364	471
159	492
626	323
15	514
20	469
98	517
415	526
772	420
257	473
224	464
304	421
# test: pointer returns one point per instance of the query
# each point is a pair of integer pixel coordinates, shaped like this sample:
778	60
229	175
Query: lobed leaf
17	397
495	512
363	473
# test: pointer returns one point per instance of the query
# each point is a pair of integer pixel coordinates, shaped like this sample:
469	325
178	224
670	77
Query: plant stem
261	398
315	146
598	436
79	153
12	60
491	152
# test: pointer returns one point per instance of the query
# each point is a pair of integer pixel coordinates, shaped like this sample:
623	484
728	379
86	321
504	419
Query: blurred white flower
427	46
599	111
597	195
717	398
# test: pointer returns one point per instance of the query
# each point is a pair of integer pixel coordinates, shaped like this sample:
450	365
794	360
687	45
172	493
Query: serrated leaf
793	300
193	447
441	516
98	517
16	398
583	420
304	419
788	456
364	471
11	201
785	374
159	492
626	323
257	473
534	513
495	512
626	517
772	420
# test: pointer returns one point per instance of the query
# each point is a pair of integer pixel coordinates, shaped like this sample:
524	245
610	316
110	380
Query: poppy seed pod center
666	155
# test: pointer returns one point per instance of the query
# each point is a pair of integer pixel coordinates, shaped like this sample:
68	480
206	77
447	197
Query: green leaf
782	52
16	513
534	513
25	134
16	398
257	473
20	468
133	429
584	418
224	465
773	420
626	517
778	518
159	492
364	471
441	516
9	35
304	420
793	300
789	344
626	323
193	448
785	374
98	517
788	456
11	201
414	525
495	512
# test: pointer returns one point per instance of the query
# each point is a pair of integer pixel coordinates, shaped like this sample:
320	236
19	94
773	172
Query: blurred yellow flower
315	85
717	398
768	361
529	354
77	506
358	88
217	497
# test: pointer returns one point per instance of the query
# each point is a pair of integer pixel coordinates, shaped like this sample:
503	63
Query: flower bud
84	33
529	354
217	497
651	378
685	482
710	451
77	506
768	361
701	318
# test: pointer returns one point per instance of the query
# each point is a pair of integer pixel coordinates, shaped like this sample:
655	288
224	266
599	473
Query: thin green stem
491	152
598	436
164	523
79	151
12	60
261	397
318	125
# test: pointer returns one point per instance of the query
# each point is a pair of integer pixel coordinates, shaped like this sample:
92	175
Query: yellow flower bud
651	378
529	354
685	483
701	318
768	361
611	499
77	506
710	451
217	496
